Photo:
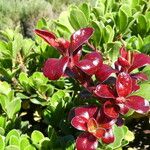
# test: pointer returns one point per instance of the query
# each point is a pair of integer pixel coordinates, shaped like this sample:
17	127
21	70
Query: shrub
91	75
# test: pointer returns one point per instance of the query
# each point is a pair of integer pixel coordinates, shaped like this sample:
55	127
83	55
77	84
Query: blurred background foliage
25	13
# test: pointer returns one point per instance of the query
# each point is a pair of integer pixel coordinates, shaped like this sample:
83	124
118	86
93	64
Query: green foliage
33	109
112	21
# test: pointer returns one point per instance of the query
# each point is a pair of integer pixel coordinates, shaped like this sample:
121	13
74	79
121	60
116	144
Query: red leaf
123	109
139	60
79	122
111	110
104	91
105	121
55	68
49	37
92	124
124	84
62	46
139	76
80	37
123	52
84	111
138	103
123	62
108	137
58	43
77	55
86	141
90	63
99	133
104	72
94	129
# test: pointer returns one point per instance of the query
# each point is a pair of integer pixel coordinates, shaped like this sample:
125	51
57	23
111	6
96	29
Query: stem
91	46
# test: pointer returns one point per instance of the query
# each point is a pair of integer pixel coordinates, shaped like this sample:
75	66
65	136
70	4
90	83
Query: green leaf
8	33
24	81
16	45
141	24
97	36
11	147
146	71
4	52
70	145
140	42
13	132
27	46
41	23
127	9
2	143
119	135
30	147
38	79
86	10
122	21
57	98
52	135
46	89
36	136
2	121
64	19
14	140
129	136
112	51
108	34
2	131
4	101
144	90
24	142
45	144
5	88
62	30
77	19
147	15
13	107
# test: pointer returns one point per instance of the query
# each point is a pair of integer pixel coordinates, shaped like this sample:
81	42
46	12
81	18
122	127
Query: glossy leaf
111	110
80	37
94	128
104	72
139	60
108	137
104	91
55	68
37	136
79	122
140	76
49	37
124	84
90	63
84	111
86	141
138	103
105	121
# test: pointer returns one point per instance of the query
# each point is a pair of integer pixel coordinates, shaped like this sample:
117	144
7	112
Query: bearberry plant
113	86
